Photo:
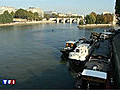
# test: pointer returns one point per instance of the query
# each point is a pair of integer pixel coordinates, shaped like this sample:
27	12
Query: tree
81	22
94	14
54	15
1	18
90	19
36	16
108	18
6	18
30	16
21	13
12	14
93	18
87	19
24	14
47	16
99	19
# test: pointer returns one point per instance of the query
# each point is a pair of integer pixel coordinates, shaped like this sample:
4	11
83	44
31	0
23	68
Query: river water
31	54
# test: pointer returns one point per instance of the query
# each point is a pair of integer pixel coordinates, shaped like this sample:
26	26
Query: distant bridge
66	20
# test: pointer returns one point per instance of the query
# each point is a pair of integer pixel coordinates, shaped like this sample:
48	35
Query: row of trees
7	17
94	18
24	14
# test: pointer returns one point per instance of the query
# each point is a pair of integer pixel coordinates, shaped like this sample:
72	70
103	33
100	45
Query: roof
70	42
107	33
83	45
93	73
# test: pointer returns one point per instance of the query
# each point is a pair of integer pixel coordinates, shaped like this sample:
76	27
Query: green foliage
108	18
30	16
54	16
21	13
90	19
24	14
36	16
99	19
12	14
94	14
93	18
81	22
47	16
6	18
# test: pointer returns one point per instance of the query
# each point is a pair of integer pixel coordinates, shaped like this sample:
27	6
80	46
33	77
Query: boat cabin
70	44
106	35
80	52
93	79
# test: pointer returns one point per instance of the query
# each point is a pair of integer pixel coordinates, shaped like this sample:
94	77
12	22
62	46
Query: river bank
26	23
94	25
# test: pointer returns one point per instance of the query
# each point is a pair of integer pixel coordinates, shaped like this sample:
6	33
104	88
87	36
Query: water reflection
74	67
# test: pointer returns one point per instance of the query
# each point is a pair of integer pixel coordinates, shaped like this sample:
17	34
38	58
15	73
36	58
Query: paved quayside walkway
116	58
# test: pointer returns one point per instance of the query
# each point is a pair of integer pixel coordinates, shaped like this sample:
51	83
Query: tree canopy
6	18
94	18
24	14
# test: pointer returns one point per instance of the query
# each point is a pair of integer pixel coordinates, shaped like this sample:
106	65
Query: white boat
82	51
70	46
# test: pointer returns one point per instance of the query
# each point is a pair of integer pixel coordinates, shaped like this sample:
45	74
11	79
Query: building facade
38	10
106	12
50	12
6	8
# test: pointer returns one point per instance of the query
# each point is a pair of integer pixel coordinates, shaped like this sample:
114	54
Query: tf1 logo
9	82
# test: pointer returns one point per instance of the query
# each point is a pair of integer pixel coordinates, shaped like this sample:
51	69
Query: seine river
31	54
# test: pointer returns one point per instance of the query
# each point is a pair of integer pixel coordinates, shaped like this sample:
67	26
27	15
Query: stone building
6	8
38	10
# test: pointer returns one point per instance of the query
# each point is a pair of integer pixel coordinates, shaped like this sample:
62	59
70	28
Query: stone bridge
66	20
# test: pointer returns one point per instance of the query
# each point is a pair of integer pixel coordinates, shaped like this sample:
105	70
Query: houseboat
96	73
83	50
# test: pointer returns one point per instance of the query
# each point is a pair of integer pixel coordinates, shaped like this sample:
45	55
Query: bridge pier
64	20
57	20
71	20
78	20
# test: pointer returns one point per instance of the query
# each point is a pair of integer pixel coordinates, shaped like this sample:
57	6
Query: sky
81	7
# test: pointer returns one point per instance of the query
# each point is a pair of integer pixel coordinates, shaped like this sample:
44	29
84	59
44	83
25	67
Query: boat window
100	57
69	44
77	50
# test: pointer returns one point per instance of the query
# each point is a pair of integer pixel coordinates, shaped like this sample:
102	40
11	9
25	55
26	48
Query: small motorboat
70	46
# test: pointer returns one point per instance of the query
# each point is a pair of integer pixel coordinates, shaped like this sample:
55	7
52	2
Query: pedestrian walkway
116	54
